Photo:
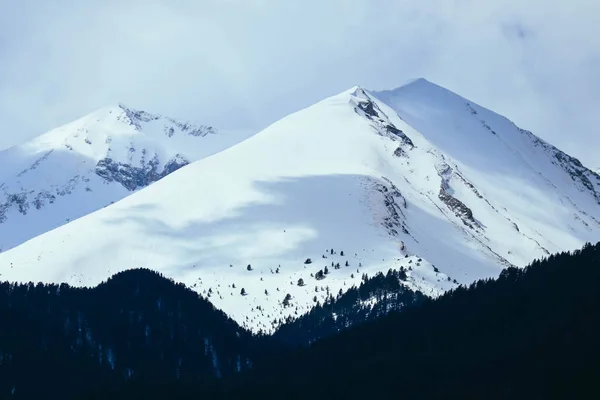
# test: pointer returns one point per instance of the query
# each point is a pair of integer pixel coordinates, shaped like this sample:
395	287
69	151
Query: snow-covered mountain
92	162
361	182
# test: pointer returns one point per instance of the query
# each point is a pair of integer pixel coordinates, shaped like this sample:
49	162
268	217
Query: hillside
530	334
416	178
57	341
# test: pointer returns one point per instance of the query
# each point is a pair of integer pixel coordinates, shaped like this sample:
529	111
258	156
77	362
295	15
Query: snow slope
417	177
92	162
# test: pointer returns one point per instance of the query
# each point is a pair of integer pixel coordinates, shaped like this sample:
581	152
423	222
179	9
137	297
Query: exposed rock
381	122
579	174
42	197
455	205
458	207
399	152
395	131
368	109
36	163
394	220
132	177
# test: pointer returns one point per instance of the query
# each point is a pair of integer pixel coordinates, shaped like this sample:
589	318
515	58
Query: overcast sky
247	63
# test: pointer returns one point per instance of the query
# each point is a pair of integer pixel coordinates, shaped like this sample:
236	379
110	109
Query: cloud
247	63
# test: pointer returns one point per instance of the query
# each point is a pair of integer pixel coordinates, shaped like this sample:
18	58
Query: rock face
381	123
133	177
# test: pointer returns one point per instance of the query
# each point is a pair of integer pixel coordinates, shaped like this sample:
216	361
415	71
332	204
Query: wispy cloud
246	63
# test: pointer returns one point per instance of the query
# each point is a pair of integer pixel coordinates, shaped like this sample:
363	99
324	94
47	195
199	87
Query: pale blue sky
247	63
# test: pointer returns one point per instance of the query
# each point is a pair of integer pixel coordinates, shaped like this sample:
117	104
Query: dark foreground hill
530	334
57	341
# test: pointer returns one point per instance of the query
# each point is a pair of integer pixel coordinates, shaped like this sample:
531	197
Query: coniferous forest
531	333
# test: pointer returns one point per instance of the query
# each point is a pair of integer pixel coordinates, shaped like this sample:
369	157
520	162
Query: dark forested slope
60	341
376	297
532	333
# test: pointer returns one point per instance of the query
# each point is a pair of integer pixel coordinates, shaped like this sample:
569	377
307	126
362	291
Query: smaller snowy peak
122	134
92	162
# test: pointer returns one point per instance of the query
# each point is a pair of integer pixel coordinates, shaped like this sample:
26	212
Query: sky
243	64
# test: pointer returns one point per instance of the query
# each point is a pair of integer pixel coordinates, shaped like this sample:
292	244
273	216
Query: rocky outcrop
458	207
23	201
393	202
132	177
383	126
583	177
455	205
134	118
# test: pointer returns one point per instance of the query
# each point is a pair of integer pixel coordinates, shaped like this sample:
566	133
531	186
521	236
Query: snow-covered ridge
92	162
358	183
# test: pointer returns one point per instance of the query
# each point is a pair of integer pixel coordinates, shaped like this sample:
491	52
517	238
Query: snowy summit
417	177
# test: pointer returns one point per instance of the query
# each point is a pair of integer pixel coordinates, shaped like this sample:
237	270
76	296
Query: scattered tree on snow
286	300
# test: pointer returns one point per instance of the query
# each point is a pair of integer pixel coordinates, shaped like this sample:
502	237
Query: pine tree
286	300
243	292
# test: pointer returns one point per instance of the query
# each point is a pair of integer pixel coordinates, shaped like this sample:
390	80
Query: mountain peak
421	180
417	81
417	86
